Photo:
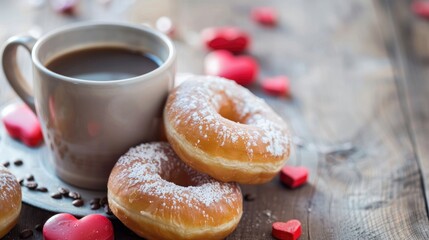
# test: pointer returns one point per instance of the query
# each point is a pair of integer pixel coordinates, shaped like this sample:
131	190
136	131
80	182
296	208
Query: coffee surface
103	63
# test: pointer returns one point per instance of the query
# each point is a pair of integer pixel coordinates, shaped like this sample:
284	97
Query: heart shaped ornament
290	230
22	124
242	69
294	177
264	15
232	39
420	8
278	86
66	227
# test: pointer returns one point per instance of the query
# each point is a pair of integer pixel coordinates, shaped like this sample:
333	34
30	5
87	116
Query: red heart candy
290	230
64	226
67	7
21	123
294	176
264	15
421	8
226	38
279	85
242	69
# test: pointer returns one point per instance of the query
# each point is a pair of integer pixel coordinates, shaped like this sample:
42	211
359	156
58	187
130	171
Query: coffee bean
64	191
38	227
6	164
95	206
249	197
21	181
30	177
18	162
78	203
74	195
95	201
42	189
26	233
103	201
31	185
107	210
56	195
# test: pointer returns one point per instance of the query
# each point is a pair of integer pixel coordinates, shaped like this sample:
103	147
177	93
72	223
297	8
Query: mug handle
11	70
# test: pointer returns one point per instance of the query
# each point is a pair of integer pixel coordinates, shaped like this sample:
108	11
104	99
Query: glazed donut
10	201
222	129
158	196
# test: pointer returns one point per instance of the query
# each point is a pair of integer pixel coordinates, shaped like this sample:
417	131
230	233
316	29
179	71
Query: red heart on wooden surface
67	7
279	86
232	39
264	15
66	227
242	69
421	8
294	176
22	124
290	230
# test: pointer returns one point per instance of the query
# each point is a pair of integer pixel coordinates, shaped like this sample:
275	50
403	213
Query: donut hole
178	177
228	110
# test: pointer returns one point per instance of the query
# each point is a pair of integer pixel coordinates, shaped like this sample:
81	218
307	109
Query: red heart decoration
279	85
290	230
242	69
22	124
294	176
64	226
421	8
67	7
226	38
265	15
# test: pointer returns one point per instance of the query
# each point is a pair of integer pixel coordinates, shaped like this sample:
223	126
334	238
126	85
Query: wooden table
360	80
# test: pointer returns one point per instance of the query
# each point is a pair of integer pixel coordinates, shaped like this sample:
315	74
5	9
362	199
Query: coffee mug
88	124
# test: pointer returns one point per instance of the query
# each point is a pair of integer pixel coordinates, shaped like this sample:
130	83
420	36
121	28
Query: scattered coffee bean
63	191
31	185
6	164
95	201
42	189
78	203
103	201
249	197
107	210
95	206
30	177
18	162
74	195
21	181
26	233
56	195
38	227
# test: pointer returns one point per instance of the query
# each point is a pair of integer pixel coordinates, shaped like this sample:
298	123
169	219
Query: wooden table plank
343	81
410	54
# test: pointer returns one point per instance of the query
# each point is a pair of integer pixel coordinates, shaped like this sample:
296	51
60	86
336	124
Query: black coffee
104	63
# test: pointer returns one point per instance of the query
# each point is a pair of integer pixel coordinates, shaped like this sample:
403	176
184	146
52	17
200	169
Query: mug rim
159	70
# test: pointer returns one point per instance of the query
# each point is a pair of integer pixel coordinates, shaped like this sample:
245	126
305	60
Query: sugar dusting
198	102
150	164
7	187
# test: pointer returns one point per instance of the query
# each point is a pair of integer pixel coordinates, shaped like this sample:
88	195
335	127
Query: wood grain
359	77
410	54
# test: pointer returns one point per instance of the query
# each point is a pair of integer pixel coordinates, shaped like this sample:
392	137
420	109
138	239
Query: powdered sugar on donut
8	186
198	102
149	165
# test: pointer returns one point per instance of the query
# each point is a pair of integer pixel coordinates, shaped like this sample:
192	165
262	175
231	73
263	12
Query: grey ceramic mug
87	124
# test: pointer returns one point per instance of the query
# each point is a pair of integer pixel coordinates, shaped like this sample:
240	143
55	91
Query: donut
156	195
10	201
220	128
